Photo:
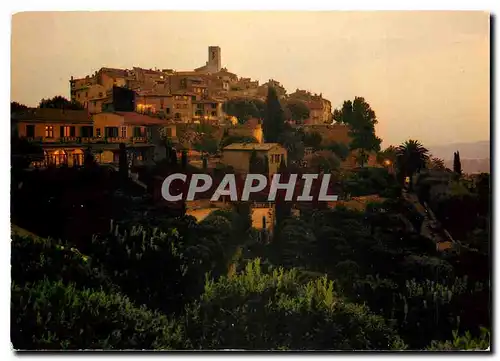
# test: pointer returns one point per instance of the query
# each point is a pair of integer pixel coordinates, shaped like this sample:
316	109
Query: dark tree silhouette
274	119
457	165
411	158
60	102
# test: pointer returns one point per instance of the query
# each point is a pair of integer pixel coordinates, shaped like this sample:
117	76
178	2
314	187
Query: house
58	131
138	131
237	155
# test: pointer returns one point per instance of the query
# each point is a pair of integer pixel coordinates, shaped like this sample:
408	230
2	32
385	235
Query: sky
425	74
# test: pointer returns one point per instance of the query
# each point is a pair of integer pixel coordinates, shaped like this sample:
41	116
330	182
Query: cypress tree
457	165
274	117
184	159
253	166
123	164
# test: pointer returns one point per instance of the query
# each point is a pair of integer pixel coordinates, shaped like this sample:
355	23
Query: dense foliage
114	269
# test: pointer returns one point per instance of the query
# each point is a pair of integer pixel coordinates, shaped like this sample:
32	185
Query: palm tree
411	157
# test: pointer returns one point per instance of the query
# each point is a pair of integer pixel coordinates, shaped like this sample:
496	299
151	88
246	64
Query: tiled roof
251	146
134	118
45	115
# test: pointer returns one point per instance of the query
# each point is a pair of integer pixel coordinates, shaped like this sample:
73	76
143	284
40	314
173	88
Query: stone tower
214	58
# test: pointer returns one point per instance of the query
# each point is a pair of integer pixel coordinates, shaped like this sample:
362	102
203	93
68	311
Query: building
61	133
136	130
151	102
65	134
182	108
237	155
213	65
207	111
320	108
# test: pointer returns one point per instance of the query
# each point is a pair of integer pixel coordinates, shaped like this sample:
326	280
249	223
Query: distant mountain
474	156
473	150
471	166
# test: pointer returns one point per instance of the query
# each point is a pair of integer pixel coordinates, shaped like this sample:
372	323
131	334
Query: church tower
214	58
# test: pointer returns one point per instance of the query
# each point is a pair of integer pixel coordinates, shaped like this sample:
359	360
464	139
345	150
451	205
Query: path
431	228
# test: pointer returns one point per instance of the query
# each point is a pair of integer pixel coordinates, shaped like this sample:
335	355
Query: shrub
260	311
53	316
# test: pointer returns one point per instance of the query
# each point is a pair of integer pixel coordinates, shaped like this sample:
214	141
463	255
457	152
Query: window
177	115
86	131
177	106
98	132
199	113
67	131
86	94
111	132
185	97
124	132
100	94
214	105
168	111
214	114
199	106
193	98
184	106
78	95
139	132
30	131
161	103
49	131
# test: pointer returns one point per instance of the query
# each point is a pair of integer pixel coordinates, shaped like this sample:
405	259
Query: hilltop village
395	258
194	109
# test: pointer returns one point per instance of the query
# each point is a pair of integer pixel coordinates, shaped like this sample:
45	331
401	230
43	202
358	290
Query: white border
60	5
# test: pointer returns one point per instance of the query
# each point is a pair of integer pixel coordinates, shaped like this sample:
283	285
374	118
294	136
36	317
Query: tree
411	157
207	144
123	163
341	150
457	165
244	109
184	159
362	120
436	164
24	152
60	102
17	107
388	154
324	160
298	110
313	140
274	120
293	142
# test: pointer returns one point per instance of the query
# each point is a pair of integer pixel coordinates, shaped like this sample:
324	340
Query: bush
53	316
257	311
33	260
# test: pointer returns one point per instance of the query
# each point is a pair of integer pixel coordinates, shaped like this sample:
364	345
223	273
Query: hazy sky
426	74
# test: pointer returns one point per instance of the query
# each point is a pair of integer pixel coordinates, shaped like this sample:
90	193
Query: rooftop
53	115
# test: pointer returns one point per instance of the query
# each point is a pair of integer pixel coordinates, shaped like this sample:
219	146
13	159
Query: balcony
89	140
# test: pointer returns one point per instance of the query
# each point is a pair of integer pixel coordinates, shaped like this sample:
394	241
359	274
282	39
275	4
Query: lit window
49	131
98	132
124	132
66	131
